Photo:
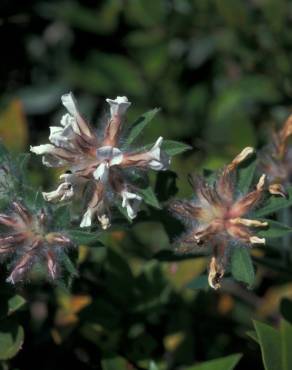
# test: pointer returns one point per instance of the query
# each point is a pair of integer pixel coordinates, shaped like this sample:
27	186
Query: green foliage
241	266
114	364
84	237
149	197
127	298
275	229
139	125
246	175
274	204
275	345
174	147
11	339
225	363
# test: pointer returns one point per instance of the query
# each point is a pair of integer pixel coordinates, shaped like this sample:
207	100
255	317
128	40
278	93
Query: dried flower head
28	242
276	160
217	217
97	162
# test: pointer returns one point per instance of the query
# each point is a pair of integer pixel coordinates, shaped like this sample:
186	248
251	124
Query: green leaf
22	161
15	303
34	199
224	363
61	217
274	204
246	175
270	343
124	212
153	366
116	363
69	266
199	283
150	197
274	230
139	125
286	340
173	147
253	335
84	237
11	339
241	266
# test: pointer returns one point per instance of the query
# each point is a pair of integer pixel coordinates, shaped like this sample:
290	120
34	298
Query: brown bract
218	216
276	160
27	242
97	162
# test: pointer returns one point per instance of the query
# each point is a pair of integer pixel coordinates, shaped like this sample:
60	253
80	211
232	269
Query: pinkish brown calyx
218	216
28	241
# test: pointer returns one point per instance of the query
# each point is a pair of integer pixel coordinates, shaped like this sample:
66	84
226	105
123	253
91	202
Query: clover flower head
98	165
218	216
28	241
276	160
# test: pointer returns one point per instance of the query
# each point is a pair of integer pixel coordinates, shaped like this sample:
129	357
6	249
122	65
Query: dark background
221	72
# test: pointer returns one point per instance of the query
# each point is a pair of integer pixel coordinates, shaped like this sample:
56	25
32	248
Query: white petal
70	104
104	221
53	161
66	120
69	121
87	218
155	150
57	136
117	157
65	191
131	202
55	130
119	105
160	161
102	172
104	153
42	149
62	193
112	155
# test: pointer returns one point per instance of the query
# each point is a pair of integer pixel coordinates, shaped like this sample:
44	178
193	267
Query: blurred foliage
220	71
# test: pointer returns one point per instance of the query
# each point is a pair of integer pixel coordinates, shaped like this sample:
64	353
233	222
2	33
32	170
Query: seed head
27	241
276	159
217	217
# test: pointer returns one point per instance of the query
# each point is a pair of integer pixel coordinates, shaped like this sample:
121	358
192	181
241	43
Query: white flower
74	118
89	216
50	155
104	221
119	105
110	157
59	136
102	172
42	149
70	104
159	160
65	191
131	202
62	193
69	123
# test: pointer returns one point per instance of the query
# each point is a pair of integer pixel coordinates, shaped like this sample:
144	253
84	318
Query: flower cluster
276	160
97	167
217	217
28	242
